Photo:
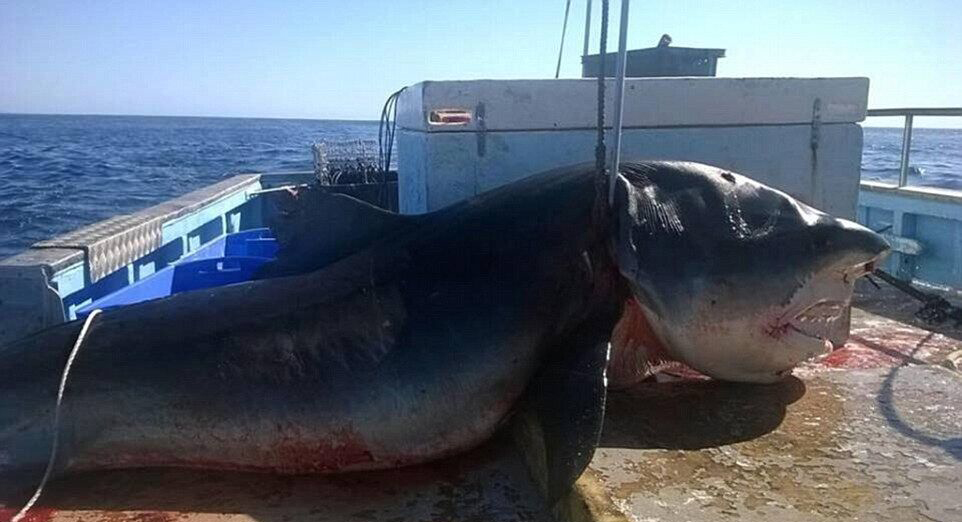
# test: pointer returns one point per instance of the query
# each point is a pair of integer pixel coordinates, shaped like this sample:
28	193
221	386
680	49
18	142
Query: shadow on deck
695	414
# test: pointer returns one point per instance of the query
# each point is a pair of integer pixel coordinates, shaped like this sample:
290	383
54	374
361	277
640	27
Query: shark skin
420	338
415	347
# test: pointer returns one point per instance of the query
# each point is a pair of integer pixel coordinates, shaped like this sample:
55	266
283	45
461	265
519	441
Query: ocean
935	158
58	173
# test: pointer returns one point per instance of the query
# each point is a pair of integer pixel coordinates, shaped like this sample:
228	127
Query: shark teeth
818	320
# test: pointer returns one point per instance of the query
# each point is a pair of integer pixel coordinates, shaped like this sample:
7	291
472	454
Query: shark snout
854	244
863	239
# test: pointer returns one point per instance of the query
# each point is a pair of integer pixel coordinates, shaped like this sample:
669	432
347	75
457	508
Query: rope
561	49
56	418
619	99
601	180
584	51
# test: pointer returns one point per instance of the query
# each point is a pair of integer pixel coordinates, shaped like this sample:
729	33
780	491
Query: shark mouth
829	295
820	320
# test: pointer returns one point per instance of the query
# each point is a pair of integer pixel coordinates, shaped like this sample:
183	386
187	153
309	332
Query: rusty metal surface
870	432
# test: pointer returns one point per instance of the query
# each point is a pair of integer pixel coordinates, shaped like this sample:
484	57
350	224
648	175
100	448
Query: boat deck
871	432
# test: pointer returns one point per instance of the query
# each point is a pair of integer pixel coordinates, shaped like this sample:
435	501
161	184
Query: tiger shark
377	340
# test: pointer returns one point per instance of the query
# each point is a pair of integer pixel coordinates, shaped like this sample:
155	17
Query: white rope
619	101
56	418
587	30
561	49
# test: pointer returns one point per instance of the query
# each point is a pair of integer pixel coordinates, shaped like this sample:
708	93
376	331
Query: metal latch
816	131
482	129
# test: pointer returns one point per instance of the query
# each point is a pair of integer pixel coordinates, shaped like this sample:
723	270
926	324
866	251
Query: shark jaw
816	311
737	280
761	347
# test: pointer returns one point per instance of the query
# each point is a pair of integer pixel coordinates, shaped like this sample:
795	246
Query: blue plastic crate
257	242
231	259
220	271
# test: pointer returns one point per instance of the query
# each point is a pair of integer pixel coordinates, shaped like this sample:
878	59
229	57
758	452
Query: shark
377	340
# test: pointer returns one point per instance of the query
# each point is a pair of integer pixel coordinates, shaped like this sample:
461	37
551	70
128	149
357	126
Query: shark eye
821	240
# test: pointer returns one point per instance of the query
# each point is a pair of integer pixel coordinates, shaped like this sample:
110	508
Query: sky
341	59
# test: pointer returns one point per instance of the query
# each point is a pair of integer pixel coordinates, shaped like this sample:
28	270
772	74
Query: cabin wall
779	155
458	139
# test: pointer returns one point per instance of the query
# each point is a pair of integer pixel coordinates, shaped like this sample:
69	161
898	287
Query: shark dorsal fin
315	228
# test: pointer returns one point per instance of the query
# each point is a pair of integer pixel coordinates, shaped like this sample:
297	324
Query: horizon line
865	123
118	115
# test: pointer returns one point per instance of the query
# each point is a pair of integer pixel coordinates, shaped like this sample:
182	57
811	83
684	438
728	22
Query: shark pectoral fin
315	228
558	423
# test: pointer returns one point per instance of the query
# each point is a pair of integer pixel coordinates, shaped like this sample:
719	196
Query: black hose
387	128
935	309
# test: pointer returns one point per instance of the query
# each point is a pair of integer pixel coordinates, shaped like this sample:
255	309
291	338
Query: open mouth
819	320
858	271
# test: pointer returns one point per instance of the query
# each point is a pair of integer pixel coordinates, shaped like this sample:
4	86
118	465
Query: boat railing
923	224
909	114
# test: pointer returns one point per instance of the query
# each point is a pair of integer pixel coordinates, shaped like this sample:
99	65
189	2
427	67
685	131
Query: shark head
736	279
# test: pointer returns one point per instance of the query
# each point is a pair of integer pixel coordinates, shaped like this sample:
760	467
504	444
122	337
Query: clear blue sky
340	59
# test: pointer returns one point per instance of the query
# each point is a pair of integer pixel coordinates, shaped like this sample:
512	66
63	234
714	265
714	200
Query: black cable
387	129
393	132
600	152
935	310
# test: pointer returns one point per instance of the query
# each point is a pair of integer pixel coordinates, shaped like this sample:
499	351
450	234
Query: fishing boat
870	431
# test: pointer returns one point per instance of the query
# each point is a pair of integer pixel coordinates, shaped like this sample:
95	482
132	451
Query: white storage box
460	138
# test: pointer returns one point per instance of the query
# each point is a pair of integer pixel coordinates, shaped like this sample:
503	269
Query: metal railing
909	114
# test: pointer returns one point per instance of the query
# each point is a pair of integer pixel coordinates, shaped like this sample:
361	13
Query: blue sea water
935	158
58	173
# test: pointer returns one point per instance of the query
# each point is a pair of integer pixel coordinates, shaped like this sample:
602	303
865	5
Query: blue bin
231	259
208	273
257	242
